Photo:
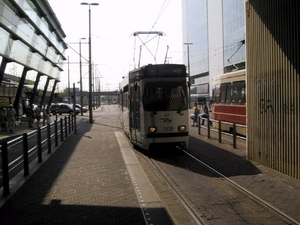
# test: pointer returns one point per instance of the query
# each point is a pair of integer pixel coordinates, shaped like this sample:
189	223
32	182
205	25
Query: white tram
154	105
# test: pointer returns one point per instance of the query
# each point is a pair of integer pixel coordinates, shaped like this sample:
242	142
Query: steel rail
180	197
283	214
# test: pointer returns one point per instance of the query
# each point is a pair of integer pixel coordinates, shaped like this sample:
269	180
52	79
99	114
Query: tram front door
135	122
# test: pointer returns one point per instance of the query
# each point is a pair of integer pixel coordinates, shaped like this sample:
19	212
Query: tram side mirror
135	86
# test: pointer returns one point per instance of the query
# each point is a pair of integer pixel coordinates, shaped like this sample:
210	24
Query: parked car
63	108
84	109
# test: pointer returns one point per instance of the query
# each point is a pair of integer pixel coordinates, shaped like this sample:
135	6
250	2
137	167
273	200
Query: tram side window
137	108
134	107
238	92
124	97
225	93
125	100
217	93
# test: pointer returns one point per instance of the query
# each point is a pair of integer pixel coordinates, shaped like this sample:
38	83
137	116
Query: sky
115	50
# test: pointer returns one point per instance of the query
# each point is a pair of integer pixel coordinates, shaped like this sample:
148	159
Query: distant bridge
106	93
97	93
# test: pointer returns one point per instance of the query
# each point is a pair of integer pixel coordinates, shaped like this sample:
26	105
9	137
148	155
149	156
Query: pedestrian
30	115
48	111
48	114
38	115
3	119
44	114
11	118
205	114
196	112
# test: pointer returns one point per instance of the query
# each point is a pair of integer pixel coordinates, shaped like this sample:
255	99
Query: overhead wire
161	11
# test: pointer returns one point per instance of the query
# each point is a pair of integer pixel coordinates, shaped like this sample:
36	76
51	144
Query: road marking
148	199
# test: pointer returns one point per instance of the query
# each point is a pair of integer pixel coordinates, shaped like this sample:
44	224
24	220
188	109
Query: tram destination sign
158	71
165	70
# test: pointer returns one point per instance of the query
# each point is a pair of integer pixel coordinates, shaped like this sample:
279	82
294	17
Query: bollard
39	145
25	154
199	126
55	133
234	135
74	122
208	128
5	172
66	127
70	124
49	138
220	132
61	130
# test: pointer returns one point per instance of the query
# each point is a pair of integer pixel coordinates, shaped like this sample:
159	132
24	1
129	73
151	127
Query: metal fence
19	152
230	137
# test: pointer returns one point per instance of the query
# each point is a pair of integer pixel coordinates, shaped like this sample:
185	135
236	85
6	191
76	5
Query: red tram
229	101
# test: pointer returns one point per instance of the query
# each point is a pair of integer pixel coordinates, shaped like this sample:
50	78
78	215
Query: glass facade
197	34
32	45
216	30
29	42
234	34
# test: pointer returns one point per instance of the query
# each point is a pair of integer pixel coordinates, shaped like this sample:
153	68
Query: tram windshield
165	96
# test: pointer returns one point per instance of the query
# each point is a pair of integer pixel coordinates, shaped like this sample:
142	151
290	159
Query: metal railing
219	131
19	152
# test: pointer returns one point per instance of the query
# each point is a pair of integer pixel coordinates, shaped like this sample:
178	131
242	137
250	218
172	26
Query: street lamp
69	92
90	61
189	69
80	69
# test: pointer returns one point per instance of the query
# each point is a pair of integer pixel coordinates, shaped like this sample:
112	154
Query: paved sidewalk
83	182
280	191
22	127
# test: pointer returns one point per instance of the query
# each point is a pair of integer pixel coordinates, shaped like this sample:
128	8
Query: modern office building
31	49
214	32
262	37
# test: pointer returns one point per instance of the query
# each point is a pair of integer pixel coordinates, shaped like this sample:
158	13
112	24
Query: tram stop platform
86	180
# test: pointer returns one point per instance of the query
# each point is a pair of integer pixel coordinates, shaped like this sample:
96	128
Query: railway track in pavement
204	194
193	193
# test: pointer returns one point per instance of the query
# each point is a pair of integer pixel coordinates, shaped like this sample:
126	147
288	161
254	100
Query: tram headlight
152	129
181	128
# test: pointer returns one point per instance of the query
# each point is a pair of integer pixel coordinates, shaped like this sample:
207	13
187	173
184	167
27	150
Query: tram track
265	203
241	205
185	203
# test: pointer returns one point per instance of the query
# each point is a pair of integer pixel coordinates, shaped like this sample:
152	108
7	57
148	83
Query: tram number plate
168	129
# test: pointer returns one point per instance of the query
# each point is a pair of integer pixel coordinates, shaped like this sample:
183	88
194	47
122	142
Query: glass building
234	34
215	31
197	35
31	52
